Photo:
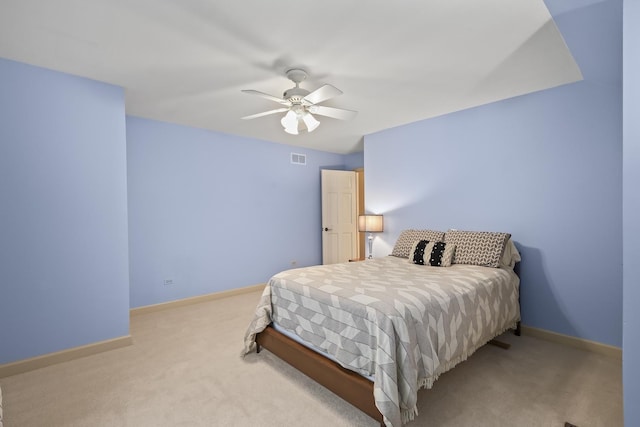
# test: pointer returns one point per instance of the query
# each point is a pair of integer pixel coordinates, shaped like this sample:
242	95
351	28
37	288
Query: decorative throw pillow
510	255
483	248
435	254
408	237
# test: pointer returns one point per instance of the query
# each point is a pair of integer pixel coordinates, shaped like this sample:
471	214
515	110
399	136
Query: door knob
326	229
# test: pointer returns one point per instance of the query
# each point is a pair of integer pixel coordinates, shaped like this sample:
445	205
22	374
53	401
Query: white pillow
510	256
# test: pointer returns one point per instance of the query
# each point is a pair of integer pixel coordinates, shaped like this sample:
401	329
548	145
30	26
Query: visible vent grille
298	159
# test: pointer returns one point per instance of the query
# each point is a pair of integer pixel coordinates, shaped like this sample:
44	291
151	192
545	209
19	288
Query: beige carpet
184	369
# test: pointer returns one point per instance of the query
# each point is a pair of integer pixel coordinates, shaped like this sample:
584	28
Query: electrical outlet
168	282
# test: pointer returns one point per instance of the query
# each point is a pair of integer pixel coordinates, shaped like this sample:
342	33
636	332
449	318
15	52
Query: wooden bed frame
354	388
350	386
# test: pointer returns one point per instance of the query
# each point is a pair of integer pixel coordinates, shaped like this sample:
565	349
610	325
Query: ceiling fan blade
266	113
267	96
322	94
336	113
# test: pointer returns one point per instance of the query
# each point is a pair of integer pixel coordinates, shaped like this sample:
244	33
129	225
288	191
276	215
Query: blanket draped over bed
402	324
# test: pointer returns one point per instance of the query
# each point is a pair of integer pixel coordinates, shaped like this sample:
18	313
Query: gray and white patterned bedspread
401	323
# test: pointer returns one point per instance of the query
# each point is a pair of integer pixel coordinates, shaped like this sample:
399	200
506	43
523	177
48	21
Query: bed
375	332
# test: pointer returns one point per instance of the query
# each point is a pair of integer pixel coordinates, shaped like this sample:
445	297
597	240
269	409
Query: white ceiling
185	61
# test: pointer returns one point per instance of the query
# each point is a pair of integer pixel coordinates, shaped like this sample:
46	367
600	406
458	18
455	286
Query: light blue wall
63	212
631	213
545	167
354	160
212	211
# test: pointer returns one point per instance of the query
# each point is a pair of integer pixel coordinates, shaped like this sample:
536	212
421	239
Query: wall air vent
298	159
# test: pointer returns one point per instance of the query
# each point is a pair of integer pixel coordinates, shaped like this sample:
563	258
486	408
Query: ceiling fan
300	104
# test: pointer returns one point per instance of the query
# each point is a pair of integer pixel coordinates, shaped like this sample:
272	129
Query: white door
339	216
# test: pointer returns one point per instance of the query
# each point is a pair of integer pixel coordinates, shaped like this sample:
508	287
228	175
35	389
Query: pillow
483	248
510	256
435	254
408	237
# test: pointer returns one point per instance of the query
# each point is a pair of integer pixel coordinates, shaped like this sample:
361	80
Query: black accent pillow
435	254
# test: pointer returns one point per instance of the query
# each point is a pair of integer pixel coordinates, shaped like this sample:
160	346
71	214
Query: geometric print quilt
402	324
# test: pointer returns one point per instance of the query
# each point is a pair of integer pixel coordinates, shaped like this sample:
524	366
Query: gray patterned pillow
483	248
408	237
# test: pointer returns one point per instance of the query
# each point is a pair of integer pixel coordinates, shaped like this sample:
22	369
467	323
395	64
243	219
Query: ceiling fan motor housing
295	95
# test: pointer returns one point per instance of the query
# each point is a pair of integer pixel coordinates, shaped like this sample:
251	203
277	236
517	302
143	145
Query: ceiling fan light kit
299	103
291	121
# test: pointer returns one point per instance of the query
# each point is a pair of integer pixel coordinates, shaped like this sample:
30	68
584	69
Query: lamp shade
290	122
310	122
370	223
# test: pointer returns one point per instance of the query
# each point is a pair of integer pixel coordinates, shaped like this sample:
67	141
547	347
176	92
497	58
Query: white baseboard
592	346
195	300
49	359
